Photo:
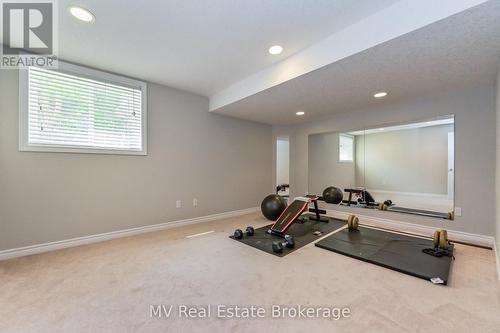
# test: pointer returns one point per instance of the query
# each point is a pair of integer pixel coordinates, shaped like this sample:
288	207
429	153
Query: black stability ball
333	195
272	206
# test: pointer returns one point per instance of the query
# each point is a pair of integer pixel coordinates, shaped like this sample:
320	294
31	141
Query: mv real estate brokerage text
222	311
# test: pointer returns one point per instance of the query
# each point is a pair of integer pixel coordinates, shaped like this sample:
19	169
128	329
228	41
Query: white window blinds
75	111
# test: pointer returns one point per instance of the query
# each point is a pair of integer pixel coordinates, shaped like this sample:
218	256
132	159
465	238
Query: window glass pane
73	111
346	148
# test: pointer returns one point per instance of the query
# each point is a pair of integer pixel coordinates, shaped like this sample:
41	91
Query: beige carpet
109	287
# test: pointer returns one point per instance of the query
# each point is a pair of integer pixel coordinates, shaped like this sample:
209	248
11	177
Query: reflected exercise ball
272	206
333	195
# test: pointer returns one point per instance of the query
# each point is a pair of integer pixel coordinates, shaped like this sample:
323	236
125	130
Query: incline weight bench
365	197
293	212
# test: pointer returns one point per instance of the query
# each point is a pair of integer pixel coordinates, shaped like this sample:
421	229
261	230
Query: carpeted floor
109	287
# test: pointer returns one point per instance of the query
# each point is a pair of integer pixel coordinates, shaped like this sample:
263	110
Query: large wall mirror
404	168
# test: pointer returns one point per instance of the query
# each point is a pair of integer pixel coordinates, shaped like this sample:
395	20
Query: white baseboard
45	247
459	236
497	258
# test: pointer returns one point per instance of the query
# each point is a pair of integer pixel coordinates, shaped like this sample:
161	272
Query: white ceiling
387	24
460	51
199	46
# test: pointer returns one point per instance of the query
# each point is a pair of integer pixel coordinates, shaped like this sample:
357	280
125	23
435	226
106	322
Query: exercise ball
272	206
333	195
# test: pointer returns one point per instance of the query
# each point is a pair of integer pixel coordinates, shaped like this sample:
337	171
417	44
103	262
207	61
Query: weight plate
444	235
435	239
443	241
355	223
352	222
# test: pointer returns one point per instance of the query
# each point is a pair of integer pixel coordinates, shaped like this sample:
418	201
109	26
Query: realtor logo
28	32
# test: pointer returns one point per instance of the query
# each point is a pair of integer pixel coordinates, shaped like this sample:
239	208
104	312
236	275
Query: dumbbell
383	206
289	243
440	239
238	233
352	222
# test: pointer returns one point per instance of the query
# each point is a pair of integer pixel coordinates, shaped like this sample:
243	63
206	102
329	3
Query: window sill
71	150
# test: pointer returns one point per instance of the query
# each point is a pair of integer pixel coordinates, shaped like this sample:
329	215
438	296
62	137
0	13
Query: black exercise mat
401	253
303	234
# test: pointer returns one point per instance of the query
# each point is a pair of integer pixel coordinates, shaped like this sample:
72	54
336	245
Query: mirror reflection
403	168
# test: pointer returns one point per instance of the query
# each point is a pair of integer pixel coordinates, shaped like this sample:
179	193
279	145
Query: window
76	109
346	148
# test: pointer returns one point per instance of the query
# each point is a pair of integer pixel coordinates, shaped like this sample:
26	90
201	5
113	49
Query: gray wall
474	111
325	169
411	160
359	168
498	169
224	162
282	162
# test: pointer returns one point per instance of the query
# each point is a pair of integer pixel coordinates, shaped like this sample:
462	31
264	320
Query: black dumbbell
289	243
238	233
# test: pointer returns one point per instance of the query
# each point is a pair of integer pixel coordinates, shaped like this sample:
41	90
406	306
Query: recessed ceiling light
275	49
300	113
82	14
380	94
382	129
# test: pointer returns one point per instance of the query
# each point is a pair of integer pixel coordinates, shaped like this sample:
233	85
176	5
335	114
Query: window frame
63	67
352	151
